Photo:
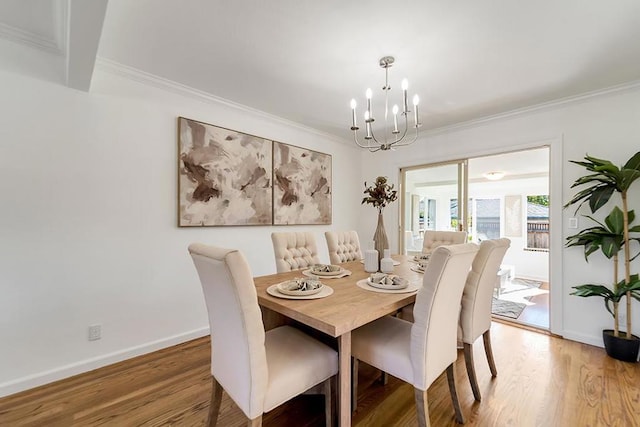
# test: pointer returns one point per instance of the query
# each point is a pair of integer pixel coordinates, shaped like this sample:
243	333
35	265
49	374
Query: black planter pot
621	348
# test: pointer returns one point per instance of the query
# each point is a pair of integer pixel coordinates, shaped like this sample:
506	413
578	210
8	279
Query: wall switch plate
573	222
95	332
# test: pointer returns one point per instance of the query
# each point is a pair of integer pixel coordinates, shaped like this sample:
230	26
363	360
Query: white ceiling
304	60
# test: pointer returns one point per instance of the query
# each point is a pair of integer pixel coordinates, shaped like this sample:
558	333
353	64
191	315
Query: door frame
555	144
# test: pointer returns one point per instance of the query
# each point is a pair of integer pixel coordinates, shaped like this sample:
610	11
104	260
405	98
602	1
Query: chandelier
389	138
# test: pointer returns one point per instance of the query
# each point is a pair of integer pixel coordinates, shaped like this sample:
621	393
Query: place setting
326	271
300	288
420	262
388	283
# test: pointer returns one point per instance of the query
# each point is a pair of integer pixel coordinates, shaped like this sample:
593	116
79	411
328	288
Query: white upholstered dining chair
258	370
419	352
294	251
433	239
475	314
343	246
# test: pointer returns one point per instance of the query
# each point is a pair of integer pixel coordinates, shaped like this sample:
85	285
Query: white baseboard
66	371
583	338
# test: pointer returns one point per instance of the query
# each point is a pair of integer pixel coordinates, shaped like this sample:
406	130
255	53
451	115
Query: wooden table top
348	308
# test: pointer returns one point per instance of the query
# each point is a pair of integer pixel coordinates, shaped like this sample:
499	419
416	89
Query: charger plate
325	292
413	286
343	273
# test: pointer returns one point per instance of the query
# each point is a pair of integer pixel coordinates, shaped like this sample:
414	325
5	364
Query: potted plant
612	236
380	194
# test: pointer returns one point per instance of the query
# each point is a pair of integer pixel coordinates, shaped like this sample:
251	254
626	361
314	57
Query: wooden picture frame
302	190
224	178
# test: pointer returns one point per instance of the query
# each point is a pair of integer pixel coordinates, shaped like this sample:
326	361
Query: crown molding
172	86
549	105
30	39
153	80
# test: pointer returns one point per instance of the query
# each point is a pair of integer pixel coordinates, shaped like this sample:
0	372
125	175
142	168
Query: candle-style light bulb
353	114
416	101
405	86
368	94
395	119
367	125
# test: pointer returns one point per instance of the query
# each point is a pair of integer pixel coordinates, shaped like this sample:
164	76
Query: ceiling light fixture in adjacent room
388	138
494	176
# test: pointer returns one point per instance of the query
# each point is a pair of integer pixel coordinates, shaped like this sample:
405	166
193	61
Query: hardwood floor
542	381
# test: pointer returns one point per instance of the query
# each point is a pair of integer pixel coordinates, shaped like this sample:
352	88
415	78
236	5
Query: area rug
515	296
507	308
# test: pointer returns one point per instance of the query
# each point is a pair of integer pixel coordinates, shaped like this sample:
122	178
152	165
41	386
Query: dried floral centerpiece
380	194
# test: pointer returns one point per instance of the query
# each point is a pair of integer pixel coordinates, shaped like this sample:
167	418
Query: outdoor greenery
539	200
612	235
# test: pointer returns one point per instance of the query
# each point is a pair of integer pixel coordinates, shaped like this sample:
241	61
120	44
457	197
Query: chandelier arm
403	143
368	146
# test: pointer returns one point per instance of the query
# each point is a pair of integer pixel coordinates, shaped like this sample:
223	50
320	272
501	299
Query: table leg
344	375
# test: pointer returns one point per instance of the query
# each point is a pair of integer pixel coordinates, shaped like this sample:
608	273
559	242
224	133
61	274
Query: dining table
350	306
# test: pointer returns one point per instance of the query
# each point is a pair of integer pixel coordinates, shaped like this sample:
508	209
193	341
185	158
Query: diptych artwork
302	186
224	176
232	178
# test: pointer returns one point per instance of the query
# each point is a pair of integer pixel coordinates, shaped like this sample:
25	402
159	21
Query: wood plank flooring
542	381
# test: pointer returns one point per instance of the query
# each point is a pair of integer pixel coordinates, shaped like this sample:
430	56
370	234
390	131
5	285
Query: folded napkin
301	284
325	268
388	279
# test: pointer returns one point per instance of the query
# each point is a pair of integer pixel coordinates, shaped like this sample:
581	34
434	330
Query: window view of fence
538	222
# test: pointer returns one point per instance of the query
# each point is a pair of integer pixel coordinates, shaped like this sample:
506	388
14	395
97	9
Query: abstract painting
302	186
224	176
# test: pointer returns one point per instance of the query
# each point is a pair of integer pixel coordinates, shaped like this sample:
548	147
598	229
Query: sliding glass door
433	199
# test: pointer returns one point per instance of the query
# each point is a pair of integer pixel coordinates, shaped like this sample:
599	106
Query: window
538	222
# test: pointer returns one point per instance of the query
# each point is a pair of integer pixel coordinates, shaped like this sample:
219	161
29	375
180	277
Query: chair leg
486	337
384	378
354	384
451	379
256	422
471	371
422	407
328	401
214	405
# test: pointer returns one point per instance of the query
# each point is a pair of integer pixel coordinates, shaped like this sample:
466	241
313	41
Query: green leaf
600	197
627	177
615	221
633	162
609	247
590	290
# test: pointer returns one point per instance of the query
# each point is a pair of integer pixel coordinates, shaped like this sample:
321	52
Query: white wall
88	221
606	126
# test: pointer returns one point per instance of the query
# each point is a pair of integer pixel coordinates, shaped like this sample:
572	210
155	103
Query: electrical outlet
573	222
95	332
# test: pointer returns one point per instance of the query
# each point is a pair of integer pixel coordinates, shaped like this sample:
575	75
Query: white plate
413	287
324	292
417	268
283	289
387	287
328	273
343	273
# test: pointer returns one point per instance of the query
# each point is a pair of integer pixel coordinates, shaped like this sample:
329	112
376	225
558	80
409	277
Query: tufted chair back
294	251
433	239
343	246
